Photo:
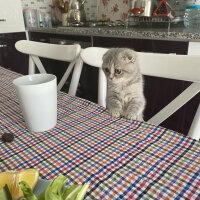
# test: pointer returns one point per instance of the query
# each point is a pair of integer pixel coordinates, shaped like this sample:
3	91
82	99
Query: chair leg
76	76
102	86
195	127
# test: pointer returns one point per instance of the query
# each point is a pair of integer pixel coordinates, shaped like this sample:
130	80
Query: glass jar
40	19
54	17
30	17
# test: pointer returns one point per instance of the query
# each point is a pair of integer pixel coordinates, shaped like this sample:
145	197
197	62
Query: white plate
41	186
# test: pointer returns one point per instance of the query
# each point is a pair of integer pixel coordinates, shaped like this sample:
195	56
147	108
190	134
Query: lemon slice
7	178
12	179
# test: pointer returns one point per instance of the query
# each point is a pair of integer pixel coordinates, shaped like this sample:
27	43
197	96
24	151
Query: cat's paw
114	112
131	116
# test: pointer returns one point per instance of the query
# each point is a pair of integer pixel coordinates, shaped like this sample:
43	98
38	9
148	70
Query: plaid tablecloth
120	159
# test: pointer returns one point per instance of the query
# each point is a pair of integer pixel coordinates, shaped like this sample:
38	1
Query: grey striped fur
125	96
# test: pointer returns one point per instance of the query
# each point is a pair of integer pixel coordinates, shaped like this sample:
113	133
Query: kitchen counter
174	34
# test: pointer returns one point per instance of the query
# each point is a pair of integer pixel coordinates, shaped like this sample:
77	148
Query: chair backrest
68	53
179	67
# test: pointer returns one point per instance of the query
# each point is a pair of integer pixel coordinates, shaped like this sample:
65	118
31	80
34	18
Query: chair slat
194	131
39	65
51	51
66	75
76	76
177	103
179	67
67	53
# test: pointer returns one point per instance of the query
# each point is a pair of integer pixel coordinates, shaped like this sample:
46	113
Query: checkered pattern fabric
120	159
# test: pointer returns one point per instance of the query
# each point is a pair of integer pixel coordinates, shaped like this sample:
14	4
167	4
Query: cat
125	97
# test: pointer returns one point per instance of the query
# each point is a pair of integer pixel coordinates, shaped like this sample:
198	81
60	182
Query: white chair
179	67
68	53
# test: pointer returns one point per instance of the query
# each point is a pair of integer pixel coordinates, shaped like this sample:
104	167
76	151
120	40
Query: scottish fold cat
125	96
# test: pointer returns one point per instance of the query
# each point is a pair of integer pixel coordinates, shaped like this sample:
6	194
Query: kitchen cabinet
9	57
194	48
12	29
147	45
11	16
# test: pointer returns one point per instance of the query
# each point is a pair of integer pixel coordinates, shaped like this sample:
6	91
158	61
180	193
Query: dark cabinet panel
143	45
9	56
159	91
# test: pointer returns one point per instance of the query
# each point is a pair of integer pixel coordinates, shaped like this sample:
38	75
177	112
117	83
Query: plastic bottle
47	20
192	14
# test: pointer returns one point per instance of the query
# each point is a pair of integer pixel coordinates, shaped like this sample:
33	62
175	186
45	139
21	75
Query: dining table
117	157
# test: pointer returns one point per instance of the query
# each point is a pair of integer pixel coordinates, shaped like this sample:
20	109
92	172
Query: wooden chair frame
68	53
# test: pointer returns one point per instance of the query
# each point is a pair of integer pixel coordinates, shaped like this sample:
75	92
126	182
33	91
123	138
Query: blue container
47	20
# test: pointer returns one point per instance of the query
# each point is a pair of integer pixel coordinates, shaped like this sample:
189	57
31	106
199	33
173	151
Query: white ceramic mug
37	94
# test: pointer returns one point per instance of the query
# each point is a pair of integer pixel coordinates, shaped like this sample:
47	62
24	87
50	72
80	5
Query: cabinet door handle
2	20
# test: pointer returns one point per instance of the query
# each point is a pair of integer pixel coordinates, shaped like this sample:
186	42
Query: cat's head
120	64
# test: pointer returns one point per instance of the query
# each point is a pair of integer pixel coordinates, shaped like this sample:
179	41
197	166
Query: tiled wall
117	9
44	5
91	9
178	6
102	9
113	10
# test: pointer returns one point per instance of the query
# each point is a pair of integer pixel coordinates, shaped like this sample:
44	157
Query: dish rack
154	21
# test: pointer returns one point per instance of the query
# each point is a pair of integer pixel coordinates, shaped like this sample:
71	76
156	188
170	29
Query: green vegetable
22	198
27	191
5	193
82	192
71	192
41	196
53	191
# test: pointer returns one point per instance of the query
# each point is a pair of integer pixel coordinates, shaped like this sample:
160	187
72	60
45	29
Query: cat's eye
106	70
117	71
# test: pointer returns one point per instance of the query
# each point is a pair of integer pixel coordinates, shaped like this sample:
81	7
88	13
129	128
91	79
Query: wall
113	9
179	6
117	9
44	5
103	9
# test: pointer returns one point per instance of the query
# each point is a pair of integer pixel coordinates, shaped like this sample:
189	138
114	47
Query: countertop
173	34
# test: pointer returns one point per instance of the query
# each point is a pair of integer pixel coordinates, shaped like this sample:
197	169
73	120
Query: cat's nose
111	77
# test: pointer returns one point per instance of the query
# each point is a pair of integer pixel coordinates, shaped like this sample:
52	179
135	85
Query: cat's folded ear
129	56
105	55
